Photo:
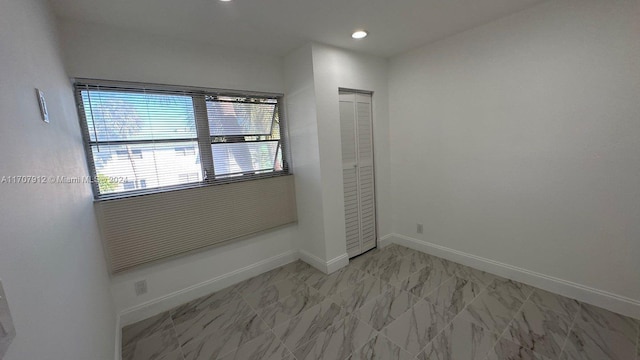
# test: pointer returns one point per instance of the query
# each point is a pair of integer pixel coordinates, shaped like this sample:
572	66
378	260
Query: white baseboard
313	260
337	263
614	302
326	267
169	301
386	240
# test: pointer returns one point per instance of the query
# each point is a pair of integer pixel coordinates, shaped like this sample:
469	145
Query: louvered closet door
357	171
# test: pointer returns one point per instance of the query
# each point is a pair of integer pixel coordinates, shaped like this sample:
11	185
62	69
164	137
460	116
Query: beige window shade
143	229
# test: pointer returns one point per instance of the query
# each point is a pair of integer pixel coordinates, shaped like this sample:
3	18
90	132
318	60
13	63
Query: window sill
196	185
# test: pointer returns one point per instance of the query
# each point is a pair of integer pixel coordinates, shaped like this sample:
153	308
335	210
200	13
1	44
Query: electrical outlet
419	228
141	287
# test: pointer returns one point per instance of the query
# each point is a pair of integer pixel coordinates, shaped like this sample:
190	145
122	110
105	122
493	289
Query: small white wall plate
43	106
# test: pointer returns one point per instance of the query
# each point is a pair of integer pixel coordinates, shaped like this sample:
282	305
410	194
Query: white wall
173	282
101	52
313	75
51	259
303	134
335	68
518	141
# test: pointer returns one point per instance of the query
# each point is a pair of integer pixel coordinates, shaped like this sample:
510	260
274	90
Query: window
129	154
188	178
244	134
129	185
142	139
185	150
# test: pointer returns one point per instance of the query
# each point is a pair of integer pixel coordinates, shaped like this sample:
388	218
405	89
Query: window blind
144	229
180	169
142	139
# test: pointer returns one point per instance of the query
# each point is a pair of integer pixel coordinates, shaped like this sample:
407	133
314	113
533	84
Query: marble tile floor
391	303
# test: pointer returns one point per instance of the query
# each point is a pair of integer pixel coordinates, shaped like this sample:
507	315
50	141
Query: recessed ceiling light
360	34
225	0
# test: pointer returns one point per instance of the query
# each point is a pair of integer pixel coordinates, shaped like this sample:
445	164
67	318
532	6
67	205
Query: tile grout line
272	329
280	339
439	332
368	301
353	313
173	326
379	333
394	261
455	274
391	286
570	329
376	332
326	297
268	326
452	319
153	333
294	275
250	307
511	321
372	275
459	314
200	336
333	323
483	291
573	324
298	276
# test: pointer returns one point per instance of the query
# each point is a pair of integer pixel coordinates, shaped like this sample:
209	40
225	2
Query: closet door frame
356	92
